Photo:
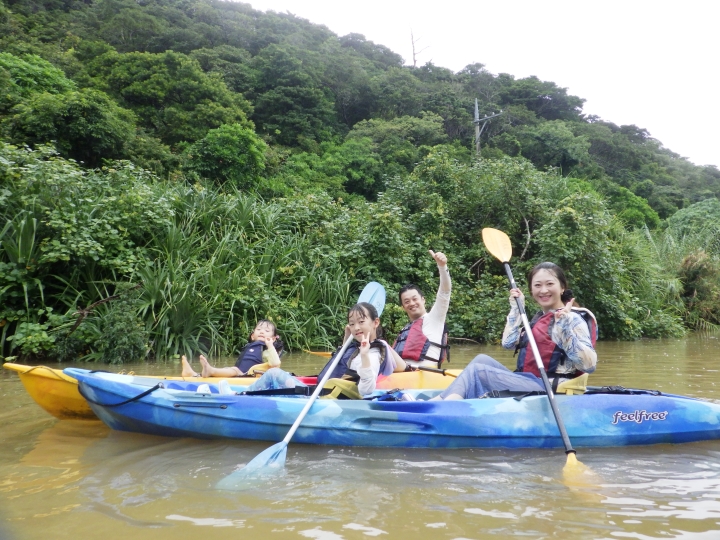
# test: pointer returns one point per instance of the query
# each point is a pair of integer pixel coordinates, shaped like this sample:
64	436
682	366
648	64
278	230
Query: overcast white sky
654	63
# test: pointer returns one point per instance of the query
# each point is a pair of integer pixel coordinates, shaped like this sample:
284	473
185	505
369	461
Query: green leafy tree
398	142
172	96
634	211
129	28
20	78
380	55
704	215
348	77
553	144
86	125
398	93
232	63
545	99
231	154
291	104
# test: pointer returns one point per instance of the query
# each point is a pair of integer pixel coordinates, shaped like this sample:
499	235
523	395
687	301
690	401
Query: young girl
363	361
565	337
264	348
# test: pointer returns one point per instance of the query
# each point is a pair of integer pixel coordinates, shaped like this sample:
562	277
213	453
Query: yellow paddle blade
577	474
498	244
319	353
581	480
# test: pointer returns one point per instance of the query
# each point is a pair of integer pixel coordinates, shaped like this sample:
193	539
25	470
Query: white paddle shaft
318	389
531	338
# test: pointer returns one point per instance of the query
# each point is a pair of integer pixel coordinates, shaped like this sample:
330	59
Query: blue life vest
250	356
343	370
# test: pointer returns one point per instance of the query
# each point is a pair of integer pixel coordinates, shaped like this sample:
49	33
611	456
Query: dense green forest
172	170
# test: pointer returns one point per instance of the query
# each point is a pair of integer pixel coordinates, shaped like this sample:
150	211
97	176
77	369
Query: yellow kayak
53	391
58	394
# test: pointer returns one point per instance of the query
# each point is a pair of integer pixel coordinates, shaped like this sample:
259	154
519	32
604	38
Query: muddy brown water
81	480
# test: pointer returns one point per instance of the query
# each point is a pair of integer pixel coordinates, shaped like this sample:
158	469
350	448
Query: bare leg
187	370
207	369
210	371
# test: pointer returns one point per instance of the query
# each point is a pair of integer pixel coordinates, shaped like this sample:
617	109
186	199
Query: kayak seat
188	386
575	386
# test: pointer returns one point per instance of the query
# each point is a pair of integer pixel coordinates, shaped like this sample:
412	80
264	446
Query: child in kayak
264	349
357	371
565	337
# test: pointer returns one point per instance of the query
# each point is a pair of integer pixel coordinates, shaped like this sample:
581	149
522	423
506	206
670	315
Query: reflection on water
63	479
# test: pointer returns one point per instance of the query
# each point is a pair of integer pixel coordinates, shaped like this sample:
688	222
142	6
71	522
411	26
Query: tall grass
686	272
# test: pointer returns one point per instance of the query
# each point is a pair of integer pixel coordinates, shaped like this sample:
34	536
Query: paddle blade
577	474
582	481
374	294
498	244
324	354
268	462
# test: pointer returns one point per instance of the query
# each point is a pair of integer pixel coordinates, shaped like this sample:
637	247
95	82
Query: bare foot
207	369
187	370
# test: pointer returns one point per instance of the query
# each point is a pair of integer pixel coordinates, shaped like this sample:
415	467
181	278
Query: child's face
361	324
263	332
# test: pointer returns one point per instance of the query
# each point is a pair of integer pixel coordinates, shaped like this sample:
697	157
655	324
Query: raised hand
365	344
439	257
562	312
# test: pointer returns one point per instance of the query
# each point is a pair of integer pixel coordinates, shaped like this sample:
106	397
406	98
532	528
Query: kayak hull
54	391
58	394
592	420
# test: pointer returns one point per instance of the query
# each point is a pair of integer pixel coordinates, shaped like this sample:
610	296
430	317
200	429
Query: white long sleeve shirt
434	320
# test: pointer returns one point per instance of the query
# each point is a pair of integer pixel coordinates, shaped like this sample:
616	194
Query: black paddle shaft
541	368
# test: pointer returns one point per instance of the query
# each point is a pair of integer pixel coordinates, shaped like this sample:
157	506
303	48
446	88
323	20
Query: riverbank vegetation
172	171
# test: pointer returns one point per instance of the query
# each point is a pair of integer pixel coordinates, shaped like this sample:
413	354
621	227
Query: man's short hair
409	287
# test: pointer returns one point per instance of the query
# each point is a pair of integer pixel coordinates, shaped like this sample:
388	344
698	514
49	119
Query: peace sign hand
562	312
365	344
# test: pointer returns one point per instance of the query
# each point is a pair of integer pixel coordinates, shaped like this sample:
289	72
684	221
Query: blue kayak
602	417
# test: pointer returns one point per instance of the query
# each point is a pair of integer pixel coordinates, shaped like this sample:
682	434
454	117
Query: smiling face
413	303
263	331
546	290
360	322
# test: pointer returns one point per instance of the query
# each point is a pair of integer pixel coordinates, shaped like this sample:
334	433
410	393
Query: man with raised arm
423	341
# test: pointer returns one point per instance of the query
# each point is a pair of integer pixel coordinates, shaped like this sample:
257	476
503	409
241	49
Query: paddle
319	353
273	459
499	246
444	372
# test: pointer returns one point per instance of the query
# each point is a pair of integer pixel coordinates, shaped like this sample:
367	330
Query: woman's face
361	324
263	332
546	290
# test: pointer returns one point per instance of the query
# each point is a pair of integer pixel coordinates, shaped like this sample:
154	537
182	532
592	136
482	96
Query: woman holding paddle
564	337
